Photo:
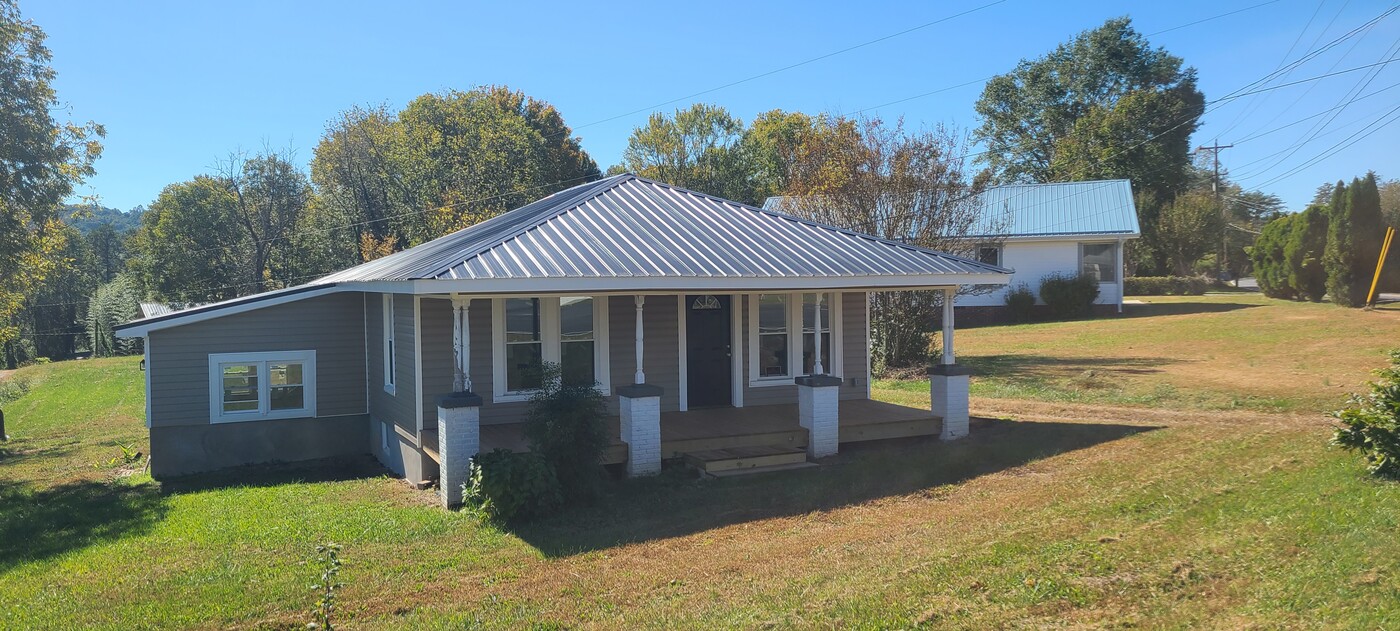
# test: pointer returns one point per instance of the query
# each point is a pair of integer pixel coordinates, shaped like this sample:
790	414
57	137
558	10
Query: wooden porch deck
727	428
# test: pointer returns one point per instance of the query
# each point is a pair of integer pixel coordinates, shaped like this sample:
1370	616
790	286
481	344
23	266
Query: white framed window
782	343
262	386
989	254
390	361
526	332
1099	260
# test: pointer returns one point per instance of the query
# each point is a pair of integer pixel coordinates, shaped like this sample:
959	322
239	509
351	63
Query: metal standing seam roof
627	226
1096	207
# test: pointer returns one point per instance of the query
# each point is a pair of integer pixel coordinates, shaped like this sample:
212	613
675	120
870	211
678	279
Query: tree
1307	241
1188	229
189	247
112	304
445	162
698	148
41	160
269	197
770	149
1270	262
108	250
1353	240
882	179
1390	202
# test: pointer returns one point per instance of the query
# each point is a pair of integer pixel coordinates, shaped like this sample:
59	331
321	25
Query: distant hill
85	218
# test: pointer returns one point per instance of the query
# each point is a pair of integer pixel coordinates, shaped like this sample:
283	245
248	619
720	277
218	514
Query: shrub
567	427
1020	303
1165	286
1371	423
508	486
1069	296
13	388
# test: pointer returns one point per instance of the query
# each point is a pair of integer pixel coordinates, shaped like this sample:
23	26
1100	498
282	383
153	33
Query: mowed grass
1213	352
1101	512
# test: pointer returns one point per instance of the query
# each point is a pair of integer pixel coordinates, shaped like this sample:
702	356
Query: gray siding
855	349
398	408
332	325
437	354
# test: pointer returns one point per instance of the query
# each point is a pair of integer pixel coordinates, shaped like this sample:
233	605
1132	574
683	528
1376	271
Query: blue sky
180	84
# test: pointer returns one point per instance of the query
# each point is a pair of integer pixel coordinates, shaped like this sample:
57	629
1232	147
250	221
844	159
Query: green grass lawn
1194	489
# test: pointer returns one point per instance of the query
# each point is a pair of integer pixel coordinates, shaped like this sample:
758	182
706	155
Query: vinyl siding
854	350
398	408
437	353
332	325
1032	261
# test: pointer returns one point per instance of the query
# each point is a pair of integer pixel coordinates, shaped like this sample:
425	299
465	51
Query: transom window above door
527	332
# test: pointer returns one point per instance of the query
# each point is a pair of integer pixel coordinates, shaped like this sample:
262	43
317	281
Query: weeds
328	557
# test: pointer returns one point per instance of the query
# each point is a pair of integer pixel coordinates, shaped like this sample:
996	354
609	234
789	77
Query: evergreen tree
1354	237
112	304
1304	251
1270	264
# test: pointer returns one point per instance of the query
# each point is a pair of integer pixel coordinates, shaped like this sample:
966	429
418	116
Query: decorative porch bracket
459	440
639	405
948	381
818	405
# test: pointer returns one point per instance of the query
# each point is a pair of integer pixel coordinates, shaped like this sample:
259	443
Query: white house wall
1032	261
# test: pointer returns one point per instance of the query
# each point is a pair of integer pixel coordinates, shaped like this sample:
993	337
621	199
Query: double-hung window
262	386
783	336
570	331
389	360
1099	260
773	355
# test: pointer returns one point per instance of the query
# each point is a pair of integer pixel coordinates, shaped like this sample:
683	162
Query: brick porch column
459	440
640	408
817	410
948	385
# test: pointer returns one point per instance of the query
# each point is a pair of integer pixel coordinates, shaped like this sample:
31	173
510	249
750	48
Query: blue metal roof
1096	207
631	227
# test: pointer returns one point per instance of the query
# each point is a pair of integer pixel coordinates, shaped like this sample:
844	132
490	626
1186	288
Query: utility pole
1220	260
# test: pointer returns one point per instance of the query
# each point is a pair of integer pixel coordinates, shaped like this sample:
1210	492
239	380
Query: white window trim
216	387
388	357
1117	261
1000	249
794	334
549	347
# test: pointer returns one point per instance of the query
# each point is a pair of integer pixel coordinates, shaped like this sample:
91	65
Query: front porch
712	429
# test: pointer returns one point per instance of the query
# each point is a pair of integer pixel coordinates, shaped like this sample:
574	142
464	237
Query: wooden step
757	470
748	457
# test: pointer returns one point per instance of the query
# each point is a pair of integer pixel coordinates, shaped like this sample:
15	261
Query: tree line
1106	104
1332	248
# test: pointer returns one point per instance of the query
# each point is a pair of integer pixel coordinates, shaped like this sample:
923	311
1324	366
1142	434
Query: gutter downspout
1122	271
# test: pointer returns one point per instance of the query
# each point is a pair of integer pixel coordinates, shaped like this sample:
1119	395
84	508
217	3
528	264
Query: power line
1216	17
1343	144
1239	118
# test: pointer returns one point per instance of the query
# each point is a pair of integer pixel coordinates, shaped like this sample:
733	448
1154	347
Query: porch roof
628	227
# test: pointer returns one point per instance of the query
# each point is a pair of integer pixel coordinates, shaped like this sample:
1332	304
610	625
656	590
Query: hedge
1165	285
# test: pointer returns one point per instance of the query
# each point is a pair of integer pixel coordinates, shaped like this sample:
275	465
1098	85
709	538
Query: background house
1041	229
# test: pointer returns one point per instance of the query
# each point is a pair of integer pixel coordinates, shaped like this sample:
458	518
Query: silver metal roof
631	227
1097	207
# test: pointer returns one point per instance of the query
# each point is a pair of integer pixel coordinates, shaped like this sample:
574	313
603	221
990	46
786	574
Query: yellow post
1380	264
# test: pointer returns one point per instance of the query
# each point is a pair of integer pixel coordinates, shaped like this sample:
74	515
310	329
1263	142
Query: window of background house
989	254
809	323
773	335
524	346
576	341
1097	260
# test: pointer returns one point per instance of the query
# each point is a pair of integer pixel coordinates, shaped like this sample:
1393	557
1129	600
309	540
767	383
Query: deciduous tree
699	148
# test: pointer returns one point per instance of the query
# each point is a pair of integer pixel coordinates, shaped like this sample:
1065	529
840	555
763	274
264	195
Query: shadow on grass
338	469
1020	366
1152	309
36	525
675	504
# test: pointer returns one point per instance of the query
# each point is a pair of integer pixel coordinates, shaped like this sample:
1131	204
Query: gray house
723	333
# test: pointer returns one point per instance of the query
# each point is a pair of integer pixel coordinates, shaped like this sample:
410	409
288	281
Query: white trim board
549	345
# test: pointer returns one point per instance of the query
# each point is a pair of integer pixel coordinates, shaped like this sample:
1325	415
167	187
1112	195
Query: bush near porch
1185	482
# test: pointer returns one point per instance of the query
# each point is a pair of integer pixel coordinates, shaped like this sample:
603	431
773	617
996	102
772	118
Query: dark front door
707	354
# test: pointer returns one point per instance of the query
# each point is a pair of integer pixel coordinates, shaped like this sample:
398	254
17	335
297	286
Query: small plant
1020	303
12	389
128	456
1069	296
567	427
508	486
1371	422
328	558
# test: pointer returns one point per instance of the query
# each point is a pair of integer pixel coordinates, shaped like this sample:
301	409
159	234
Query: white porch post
640	377
817	368
639	409
461	343
948	382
